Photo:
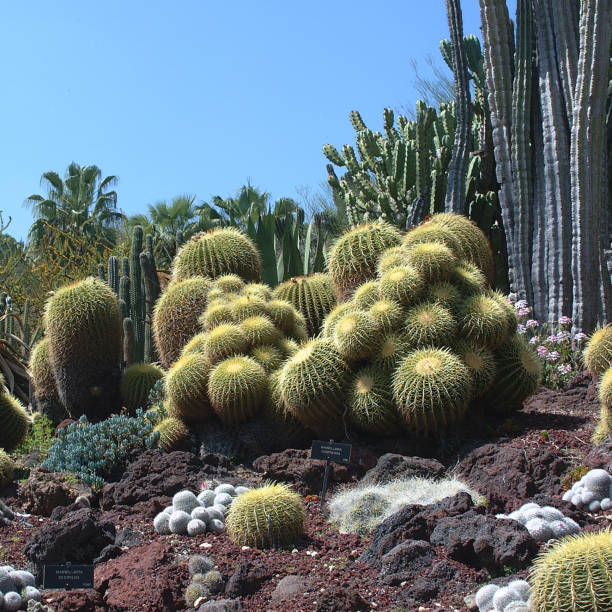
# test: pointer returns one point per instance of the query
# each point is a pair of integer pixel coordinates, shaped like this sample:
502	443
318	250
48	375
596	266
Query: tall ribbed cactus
550	150
455	190
137	310
113	274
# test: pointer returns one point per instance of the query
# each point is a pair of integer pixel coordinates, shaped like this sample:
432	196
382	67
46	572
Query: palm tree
82	205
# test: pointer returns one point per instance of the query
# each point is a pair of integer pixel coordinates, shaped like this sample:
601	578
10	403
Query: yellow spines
598	351
186	388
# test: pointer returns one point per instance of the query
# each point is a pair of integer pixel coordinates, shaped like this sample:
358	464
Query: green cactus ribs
217	253
598	351
136	384
354	256
272	515
431	388
314	296
46	397
14	422
574	574
84	330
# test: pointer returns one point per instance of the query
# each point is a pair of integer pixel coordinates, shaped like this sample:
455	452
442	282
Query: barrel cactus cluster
420	336
14	425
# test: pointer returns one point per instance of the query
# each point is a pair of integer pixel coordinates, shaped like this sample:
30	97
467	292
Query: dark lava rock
246	580
392	467
154	474
109	552
513	476
600	457
339	599
44	490
485	541
290	586
128	537
77	538
295	466
413	522
64	424
406	560
421	590
221	605
143	578
61	511
77	600
581	391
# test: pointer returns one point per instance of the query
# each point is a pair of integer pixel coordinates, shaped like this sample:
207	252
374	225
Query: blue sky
199	96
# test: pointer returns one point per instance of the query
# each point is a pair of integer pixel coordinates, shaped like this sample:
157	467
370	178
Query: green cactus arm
136	293
128	342
588	149
101	273
113	274
455	189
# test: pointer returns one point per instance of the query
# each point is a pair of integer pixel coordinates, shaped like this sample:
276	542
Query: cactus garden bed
323	570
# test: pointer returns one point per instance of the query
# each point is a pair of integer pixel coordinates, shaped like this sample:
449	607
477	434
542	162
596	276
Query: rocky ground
421	558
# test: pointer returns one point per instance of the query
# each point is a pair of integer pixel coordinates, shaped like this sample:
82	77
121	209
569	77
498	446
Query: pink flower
521	304
565	369
551	338
203	485
565	320
580	336
553	356
534	340
563	336
532	323
523	312
542	350
520	329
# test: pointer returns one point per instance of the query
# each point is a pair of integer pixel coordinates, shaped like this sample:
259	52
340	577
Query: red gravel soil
329	559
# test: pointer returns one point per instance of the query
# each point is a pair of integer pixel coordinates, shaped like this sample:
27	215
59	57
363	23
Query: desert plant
434	261
172	434
429	324
519	373
313	384
175	319
366	294
574	574
223	341
403	284
46	397
483	320
237	388
432	389
370	405
481	364
92	451
84	330
216	253
357	336
354	256
186	386
313	295
7	467
136	383
271	515
360	509
598	351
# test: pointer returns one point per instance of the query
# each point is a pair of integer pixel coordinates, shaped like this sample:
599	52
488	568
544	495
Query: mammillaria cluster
593	491
543	523
17	588
194	515
512	598
420	338
205	580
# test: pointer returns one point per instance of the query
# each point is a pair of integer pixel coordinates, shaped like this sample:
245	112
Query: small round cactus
216	253
224	341
178	522
196	527
433	260
574	574
483	320
162	523
403	285
354	257
598	351
387	314
185	386
7	467
194	592
365	295
213	581
431	388
199	564
136	384
237	388
357	335
429	324
272	515
172	434
14	422
185	501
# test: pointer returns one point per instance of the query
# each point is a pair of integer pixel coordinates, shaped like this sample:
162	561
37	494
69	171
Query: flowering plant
559	349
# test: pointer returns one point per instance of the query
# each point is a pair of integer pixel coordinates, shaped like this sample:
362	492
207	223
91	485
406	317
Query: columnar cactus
84	330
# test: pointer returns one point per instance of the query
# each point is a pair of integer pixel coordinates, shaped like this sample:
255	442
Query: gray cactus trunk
552	169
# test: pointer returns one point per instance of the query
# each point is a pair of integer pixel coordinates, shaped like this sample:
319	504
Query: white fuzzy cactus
512	597
222	499
196	527
225	488
12	601
185	501
178	522
162	523
592	492
543	523
207	498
